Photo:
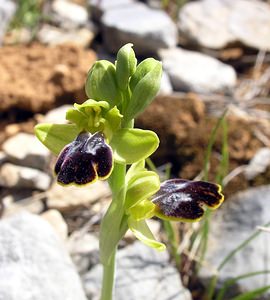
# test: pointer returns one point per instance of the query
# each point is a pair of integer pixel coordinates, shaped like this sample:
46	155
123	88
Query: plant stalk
108	279
115	219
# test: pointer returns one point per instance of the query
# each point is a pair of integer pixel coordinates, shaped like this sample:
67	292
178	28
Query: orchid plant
100	142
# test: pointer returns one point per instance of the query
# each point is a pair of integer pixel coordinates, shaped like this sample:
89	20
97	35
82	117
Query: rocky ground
215	55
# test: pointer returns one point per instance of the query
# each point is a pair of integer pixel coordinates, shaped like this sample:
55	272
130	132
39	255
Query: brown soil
184	129
36	78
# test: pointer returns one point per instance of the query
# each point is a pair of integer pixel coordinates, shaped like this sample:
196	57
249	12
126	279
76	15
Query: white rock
130	24
233	223
84	250
13	176
21	200
165	85
57	115
194	71
69	197
250	23
69	15
51	35
216	23
206	23
258	164
3	157
98	8
34	264
56	220
155	4
7	10
142	273
25	149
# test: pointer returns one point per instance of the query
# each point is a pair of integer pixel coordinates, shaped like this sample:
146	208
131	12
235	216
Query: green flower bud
101	83
125	66
144	86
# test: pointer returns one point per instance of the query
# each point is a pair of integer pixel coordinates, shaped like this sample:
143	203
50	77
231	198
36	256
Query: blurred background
212	116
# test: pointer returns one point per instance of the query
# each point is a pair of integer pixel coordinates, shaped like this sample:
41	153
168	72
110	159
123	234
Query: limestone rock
217	23
258	163
69	197
7	10
130	24
232	224
3	157
250	23
69	15
142	273
165	84
98	8
194	71
21	200
56	220
206	23
51	35
84	250
25	149
34	263
12	176
57	115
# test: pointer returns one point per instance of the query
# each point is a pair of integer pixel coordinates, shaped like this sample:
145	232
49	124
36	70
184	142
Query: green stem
111	231
108	279
113	227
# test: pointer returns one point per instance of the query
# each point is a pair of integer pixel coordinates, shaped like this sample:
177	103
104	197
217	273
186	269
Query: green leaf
56	136
252	294
125	66
144	85
132	145
141	186
144	234
101	83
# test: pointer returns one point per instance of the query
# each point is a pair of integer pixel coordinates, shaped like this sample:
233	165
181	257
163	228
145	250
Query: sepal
101	83
144	85
144	234
125	65
56	136
132	145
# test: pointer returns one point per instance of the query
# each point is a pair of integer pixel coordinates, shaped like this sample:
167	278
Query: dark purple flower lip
84	160
184	200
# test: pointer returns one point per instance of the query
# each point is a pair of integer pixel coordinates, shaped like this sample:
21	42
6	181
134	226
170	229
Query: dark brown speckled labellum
84	160
180	199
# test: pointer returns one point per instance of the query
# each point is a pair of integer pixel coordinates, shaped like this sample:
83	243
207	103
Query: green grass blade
204	231
211	144
224	163
240	247
171	236
234	280
252	294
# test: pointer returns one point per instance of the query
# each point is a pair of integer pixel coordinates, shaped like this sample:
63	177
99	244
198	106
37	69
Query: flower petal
144	234
180	199
102	155
84	160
